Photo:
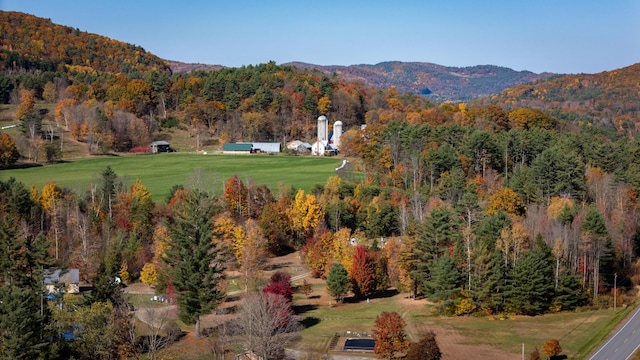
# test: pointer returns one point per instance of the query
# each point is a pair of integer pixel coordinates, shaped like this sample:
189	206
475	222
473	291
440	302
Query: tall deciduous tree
195	259
363	272
268	323
390	336
8	151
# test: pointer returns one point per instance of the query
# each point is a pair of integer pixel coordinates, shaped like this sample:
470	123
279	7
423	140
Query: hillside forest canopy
486	207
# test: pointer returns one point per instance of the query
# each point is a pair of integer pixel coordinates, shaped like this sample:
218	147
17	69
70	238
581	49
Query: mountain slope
439	83
28	42
606	98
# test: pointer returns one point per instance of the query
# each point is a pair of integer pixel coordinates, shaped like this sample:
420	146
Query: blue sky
562	36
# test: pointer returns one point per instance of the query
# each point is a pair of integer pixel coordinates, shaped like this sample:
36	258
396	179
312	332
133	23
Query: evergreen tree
195	259
599	246
23	317
21	324
569	294
446	278
492	282
338	282
530	284
439	232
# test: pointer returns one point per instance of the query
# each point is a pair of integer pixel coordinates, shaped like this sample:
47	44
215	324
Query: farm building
237	148
322	147
160	146
69	280
265	147
299	146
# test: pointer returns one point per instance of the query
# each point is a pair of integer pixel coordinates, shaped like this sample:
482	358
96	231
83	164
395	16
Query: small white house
68	280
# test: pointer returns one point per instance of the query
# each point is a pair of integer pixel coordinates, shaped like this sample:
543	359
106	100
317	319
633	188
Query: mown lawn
158	173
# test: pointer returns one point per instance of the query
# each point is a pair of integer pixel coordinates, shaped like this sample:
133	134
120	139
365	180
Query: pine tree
195	259
338	281
530	284
23	318
446	278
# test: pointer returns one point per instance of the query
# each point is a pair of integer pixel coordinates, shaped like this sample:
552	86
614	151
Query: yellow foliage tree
227	232
50	195
343	251
124	273
306	213
252	251
506	200
513	242
26	104
324	104
149	274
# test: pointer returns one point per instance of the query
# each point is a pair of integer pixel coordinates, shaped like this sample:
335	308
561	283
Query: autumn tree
26	104
363	274
552	348
389	335
425	349
195	259
535	354
9	154
280	284
235	196
306	214
250	249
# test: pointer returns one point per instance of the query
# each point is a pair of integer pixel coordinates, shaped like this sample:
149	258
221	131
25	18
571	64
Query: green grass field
158	173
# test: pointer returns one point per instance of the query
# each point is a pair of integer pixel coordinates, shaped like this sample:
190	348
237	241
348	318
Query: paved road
623	343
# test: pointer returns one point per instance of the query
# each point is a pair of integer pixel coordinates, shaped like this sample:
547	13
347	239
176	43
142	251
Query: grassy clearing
578	332
160	172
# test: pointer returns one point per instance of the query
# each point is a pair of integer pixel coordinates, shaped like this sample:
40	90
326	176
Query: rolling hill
610	98
437	82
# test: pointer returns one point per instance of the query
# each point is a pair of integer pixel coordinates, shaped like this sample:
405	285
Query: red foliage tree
280	284
363	272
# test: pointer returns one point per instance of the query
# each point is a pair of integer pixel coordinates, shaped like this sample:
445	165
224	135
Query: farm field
158	173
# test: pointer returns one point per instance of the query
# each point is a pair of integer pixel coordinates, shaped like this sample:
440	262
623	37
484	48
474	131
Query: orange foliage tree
552	348
390	336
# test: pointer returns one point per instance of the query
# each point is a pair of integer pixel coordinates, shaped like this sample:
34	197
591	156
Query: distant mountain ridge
438	82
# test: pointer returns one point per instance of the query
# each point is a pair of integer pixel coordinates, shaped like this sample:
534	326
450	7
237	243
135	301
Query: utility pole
615	291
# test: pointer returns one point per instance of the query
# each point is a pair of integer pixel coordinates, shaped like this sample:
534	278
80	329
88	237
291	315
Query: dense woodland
491	207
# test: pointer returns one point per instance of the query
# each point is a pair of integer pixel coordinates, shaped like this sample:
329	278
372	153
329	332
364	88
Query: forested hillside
29	43
436	82
610	98
523	206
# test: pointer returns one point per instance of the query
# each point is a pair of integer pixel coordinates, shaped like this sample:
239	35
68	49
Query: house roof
70	276
160	142
266	147
237	147
296	143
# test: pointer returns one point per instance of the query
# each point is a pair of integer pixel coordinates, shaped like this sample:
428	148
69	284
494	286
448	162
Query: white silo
337	131
323	128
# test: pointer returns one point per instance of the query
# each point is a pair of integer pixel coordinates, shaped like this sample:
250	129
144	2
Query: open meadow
158	173
467	337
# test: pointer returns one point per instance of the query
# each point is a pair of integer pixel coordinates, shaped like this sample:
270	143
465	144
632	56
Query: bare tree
161	329
268	323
